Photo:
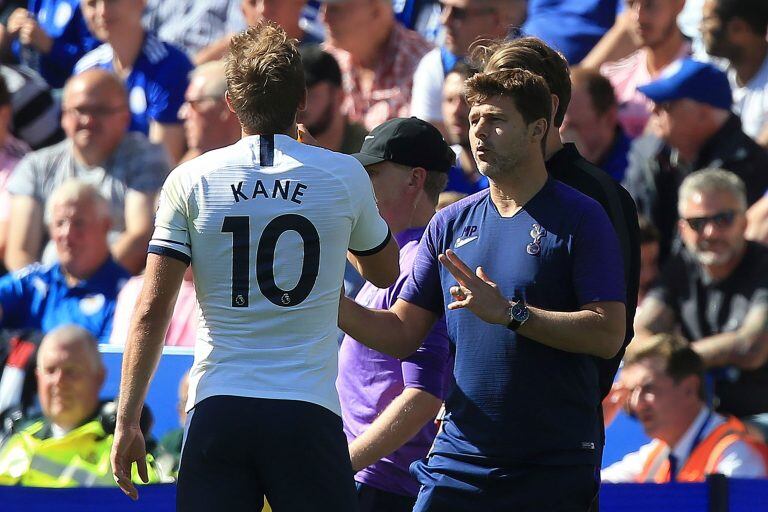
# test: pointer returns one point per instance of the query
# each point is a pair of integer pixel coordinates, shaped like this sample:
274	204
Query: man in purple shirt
388	404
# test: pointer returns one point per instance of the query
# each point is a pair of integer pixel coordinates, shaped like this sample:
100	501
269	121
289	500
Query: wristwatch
518	314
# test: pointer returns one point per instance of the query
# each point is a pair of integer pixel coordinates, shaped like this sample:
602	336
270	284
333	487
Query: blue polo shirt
155	85
63	21
38	297
514	400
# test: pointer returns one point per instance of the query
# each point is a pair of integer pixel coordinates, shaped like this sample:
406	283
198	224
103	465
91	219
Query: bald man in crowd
126	168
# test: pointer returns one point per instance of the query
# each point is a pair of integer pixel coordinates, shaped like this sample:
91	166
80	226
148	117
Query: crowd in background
100	99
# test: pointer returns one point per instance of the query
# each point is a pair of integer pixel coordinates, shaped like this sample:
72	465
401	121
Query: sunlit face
107	19
349	22
79	233
467	20
721	223
391	182
677	121
455	109
93	115
205	116
657	400
499	137
283	12
654	21
68	382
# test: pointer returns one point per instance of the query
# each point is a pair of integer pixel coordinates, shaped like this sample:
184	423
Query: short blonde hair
74	190
712	180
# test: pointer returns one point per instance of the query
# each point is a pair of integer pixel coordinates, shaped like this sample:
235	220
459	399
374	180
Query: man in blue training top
544	303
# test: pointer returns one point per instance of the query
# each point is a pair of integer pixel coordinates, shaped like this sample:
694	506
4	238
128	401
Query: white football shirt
266	224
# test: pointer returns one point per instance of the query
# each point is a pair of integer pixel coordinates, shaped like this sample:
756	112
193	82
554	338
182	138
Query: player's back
269	221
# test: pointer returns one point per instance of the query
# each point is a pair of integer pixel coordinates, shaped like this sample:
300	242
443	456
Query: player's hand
305	137
127	448
475	291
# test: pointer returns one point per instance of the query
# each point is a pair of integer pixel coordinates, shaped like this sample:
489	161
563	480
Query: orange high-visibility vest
705	457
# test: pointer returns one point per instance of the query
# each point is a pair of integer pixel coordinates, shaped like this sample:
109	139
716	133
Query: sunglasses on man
722	219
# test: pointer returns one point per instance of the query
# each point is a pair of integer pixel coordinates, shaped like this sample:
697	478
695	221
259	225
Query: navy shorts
237	450
452	486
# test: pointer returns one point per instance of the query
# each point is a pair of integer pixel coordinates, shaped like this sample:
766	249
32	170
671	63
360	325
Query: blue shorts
238	450
449	485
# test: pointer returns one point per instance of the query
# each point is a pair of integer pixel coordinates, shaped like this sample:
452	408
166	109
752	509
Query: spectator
286	13
464	177
11	151
573	27
69	445
190	25
654	23
36	115
208	122
649	258
663	385
182	329
155	73
736	30
716	292
377	57
591	122
169	453
693	104
389	405
464	22
322	115
126	168
82	287
49	37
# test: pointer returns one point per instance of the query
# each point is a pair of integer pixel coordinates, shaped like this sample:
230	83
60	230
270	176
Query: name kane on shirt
279	190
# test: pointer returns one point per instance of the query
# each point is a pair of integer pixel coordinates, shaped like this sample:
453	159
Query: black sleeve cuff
171	253
376	249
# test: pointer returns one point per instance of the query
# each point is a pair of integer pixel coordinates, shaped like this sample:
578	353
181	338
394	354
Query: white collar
682	450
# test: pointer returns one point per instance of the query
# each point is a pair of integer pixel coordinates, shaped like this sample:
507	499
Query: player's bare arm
381	268
143	349
597	329
397	332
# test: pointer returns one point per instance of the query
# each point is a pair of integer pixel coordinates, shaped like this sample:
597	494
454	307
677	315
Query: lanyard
696	440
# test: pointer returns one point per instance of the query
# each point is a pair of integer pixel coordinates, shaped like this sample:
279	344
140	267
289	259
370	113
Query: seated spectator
208	122
49	37
715	291
182	330
155	73
661	43
190	25
69	445
464	22
377	57
36	115
663	386
82	287
11	151
693	104
649	258
736	30
125	167
286	13
572	27
463	176
322	116
591	122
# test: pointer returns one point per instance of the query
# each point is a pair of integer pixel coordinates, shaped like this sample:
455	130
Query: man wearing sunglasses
715	291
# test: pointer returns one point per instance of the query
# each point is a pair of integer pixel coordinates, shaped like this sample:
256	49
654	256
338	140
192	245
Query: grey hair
712	180
73	190
214	73
71	334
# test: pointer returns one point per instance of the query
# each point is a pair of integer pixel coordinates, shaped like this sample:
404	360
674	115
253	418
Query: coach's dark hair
679	358
265	78
531	54
753	12
529	91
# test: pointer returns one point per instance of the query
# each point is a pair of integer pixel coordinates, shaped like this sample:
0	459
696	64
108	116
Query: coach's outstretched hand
127	448
475	291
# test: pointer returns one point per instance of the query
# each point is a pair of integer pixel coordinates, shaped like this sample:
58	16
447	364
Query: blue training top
515	400
38	297
156	84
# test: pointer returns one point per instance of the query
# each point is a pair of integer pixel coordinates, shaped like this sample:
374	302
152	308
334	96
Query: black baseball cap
319	66
407	141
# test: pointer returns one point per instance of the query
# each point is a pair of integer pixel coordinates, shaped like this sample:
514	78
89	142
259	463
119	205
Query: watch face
520	312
